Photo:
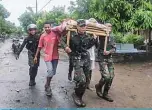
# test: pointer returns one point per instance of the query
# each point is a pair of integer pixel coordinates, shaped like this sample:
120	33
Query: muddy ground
131	87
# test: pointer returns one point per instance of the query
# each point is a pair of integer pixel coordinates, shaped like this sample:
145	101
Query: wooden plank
94	28
96	33
101	34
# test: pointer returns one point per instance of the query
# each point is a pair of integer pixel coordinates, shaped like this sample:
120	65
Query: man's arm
59	29
40	46
22	46
64	44
38	51
112	44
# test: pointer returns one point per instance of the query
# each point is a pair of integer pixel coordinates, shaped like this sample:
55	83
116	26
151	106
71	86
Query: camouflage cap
81	22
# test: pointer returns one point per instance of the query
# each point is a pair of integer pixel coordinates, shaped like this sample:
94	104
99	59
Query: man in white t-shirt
92	55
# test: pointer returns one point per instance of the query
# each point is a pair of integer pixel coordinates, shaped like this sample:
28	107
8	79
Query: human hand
67	50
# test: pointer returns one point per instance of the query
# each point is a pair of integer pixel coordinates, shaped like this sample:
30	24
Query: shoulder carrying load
93	27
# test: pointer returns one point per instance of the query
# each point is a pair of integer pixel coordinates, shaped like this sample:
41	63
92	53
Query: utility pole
36	7
45	5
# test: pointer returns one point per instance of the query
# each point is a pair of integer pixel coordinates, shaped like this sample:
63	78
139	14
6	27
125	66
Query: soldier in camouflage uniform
80	42
105	61
31	43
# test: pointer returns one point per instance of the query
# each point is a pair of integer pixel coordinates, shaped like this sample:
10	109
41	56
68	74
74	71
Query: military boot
83	104
77	97
32	73
105	94
107	97
70	76
98	88
88	80
32	83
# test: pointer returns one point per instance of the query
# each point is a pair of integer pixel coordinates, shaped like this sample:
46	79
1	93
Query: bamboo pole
68	38
98	33
106	40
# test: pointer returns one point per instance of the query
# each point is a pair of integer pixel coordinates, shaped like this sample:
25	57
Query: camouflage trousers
81	72
107	72
33	67
31	59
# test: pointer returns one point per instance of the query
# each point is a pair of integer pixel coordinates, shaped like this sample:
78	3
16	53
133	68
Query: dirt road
131	87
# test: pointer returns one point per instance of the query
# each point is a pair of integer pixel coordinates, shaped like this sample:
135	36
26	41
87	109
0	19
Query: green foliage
133	38
6	27
80	9
56	15
27	18
118	37
3	12
125	16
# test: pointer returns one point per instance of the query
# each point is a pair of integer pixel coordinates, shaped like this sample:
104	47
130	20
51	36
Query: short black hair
48	22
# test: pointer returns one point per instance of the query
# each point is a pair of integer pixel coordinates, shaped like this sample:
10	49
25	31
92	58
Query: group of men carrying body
79	49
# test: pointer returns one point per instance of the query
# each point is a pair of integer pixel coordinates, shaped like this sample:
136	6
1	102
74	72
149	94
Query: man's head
81	25
47	26
32	29
109	26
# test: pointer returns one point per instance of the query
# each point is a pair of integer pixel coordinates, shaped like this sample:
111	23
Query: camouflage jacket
79	44
111	45
31	43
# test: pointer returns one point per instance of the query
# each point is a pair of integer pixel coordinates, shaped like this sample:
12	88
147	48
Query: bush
134	39
118	37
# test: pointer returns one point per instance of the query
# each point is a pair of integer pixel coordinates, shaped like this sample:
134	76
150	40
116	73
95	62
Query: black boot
105	93
70	76
32	73
77	97
83	104
107	97
88	80
98	88
32	83
78	100
32	79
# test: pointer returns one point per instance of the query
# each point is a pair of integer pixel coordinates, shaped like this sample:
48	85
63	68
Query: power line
45	5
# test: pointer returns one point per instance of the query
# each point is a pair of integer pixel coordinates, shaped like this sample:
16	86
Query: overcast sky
17	7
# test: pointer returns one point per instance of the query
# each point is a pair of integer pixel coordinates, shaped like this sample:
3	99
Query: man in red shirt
49	41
